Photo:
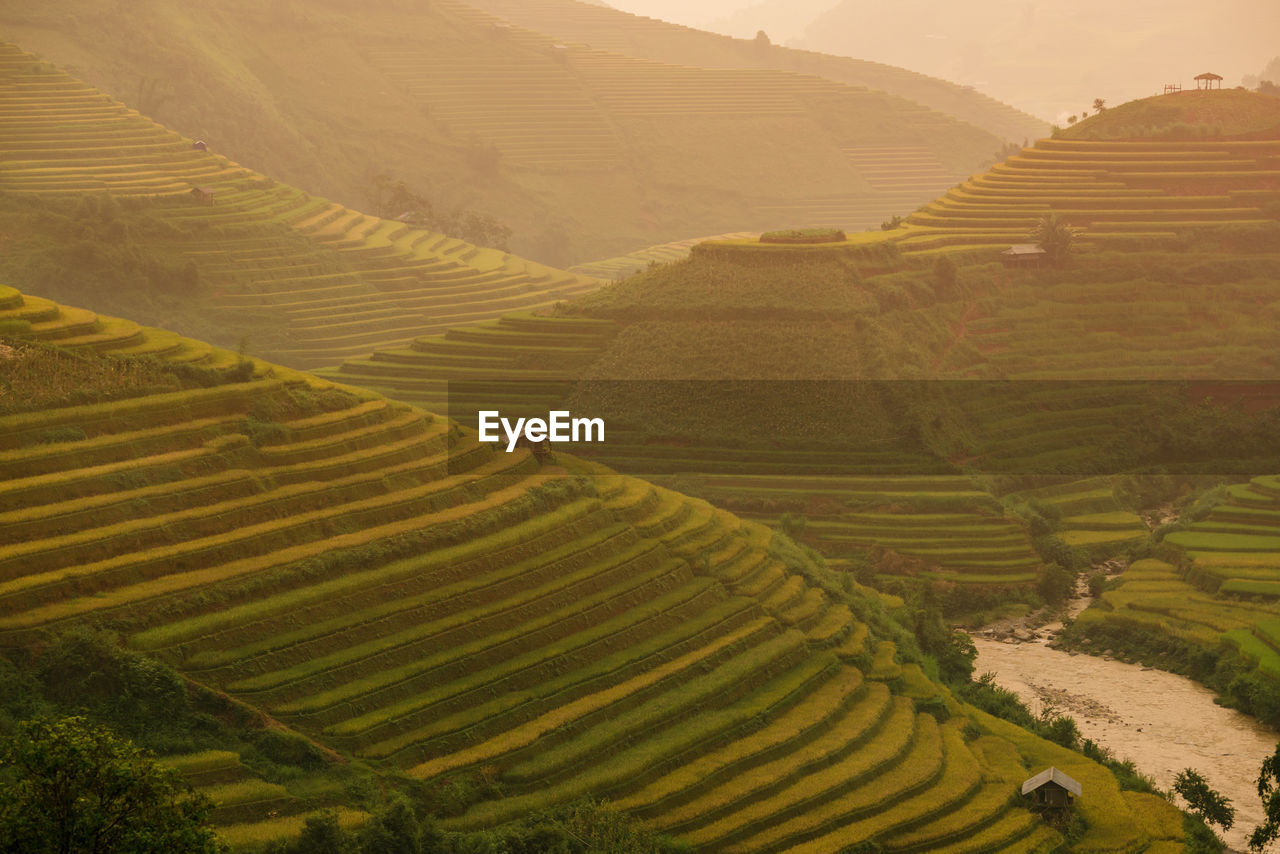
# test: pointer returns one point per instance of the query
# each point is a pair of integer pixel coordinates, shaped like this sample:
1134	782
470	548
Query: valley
932	367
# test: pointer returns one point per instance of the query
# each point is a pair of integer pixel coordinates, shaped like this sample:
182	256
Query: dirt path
959	331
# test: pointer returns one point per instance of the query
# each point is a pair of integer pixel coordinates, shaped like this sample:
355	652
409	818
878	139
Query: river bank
1161	721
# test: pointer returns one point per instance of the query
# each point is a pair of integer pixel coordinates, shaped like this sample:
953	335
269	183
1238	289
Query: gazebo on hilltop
1206	80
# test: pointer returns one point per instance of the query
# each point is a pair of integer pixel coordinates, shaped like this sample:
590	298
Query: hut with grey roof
1052	788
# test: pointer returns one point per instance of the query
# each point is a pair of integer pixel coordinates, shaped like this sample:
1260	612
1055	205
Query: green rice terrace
309	280
955	373
412	603
1210	606
1140	173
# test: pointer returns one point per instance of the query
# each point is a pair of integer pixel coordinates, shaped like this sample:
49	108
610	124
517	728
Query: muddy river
1163	722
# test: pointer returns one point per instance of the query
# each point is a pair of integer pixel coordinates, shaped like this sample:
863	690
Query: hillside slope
633	35
372	577
801	381
307	280
584	153
1138	175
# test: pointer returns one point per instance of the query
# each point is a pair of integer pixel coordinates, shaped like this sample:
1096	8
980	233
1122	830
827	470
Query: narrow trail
959	331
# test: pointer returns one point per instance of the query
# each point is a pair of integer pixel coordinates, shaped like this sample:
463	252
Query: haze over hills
1053	59
1013	51
583	167
782	21
628	34
172	233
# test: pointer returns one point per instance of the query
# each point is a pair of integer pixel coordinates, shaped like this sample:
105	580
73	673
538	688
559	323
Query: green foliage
891	223
984	693
804	235
1056	584
792	524
585	827
945	277
69	786
1203	801
89	672
1055	237
953	650
392	198
1200	838
1269	791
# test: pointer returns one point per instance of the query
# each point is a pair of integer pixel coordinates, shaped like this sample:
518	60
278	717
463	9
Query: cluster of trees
392	198
1099	105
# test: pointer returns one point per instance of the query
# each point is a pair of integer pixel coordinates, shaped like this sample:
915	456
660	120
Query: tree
1055	237
68	786
1269	791
1203	801
1073	119
762	39
1099	104
945	276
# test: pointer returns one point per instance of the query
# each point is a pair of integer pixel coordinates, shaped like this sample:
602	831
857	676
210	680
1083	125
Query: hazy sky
689	12
1011	48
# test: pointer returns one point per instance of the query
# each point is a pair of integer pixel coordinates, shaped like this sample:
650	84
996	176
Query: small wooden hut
1052	788
203	195
1023	255
1206	80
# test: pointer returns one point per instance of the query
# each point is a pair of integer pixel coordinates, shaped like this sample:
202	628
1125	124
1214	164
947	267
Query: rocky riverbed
1163	722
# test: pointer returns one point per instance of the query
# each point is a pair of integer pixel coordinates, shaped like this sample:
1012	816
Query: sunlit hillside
822	336
172	231
584	152
379	582
1145	171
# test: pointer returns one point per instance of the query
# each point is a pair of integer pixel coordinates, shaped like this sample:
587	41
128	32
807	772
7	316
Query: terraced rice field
1091	518
1229	594
622	266
248	810
1237	548
955	529
1115	191
339	282
371	577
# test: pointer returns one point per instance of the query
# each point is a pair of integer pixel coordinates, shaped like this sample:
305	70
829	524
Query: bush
1056	584
804	235
944	277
